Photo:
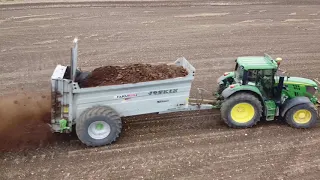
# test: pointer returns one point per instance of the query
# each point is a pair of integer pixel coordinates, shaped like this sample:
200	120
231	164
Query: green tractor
256	91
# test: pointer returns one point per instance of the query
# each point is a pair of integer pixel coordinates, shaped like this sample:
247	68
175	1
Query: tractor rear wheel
241	110
302	116
98	126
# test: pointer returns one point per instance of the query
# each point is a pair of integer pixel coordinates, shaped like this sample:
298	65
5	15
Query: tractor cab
257	71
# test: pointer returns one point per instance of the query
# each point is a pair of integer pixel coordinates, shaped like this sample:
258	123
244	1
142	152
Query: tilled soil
115	75
187	145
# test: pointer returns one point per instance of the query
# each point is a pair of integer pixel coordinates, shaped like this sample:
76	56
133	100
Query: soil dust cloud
23	121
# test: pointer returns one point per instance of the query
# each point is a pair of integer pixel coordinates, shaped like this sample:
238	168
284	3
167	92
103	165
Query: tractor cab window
258	75
262	78
239	72
266	81
252	75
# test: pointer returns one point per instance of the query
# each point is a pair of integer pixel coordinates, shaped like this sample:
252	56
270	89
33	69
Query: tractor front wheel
302	116
242	110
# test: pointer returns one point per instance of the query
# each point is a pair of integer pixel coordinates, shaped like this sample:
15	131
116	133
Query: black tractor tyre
289	116
105	115
241	97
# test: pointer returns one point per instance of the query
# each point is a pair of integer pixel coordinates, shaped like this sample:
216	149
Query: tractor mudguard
225	76
229	91
288	104
244	88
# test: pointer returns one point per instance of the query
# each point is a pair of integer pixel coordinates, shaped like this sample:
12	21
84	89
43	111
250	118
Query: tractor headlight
312	90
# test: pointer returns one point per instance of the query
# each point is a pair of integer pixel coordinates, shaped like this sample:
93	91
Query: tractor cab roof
257	62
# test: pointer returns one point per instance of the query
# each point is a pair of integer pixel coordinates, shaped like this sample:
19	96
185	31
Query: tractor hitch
215	103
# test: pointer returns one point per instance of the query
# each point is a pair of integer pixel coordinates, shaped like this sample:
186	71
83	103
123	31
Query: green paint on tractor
300	81
257	62
296	86
257	76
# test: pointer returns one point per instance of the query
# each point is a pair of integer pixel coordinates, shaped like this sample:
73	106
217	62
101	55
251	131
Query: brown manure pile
134	73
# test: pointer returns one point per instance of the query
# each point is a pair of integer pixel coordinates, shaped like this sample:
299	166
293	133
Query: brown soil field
187	145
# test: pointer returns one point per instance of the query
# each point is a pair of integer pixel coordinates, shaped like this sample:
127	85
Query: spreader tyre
302	116
98	126
241	110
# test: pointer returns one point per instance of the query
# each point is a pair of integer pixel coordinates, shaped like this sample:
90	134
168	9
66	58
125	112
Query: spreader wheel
98	126
241	110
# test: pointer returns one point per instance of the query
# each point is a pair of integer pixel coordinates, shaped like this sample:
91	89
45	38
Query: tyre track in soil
180	145
189	151
157	127
286	46
151	127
